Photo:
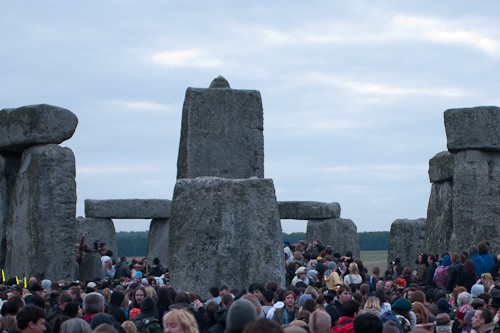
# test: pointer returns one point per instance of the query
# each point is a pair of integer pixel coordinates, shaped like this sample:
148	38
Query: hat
144	281
401	282
240	313
442	319
16	287
91	285
46	284
401	304
134	313
303	298
138	274
468	316
300	270
287	243
101	318
476	290
495	302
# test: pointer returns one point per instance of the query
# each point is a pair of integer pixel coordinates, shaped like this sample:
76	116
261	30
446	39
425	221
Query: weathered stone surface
308	210
473	128
158	240
128	208
439	222
341	234
476	199
406	241
102	230
224	232
41	220
35	124
221	133
90	267
441	167
9	166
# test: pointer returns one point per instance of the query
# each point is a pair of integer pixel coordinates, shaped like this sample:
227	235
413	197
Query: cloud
113	170
139	106
376	88
443	31
189	58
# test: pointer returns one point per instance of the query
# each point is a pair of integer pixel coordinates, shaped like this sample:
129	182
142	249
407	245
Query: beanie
239	314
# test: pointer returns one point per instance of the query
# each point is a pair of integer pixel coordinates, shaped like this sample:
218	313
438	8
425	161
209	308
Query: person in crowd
421	269
353	277
75	325
482	321
319	322
137	297
479	264
484	252
367	323
469	275
116	300
441	273
331	278
335	309
429	271
454	272
31	319
240	313
147	321
345	324
286	314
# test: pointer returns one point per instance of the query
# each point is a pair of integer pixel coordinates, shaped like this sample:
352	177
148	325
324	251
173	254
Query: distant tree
132	244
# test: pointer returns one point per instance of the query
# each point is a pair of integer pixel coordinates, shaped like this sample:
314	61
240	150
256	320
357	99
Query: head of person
319	322
353	268
240	313
93	303
263	326
179	321
344	293
350	308
31	319
75	325
139	295
367	323
289	298
389	286
481	318
256	289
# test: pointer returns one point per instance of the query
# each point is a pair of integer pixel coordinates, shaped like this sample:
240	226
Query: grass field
374	258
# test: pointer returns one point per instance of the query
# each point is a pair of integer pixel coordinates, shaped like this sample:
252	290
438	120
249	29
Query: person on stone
421	269
479	263
345	323
122	268
454	272
334	309
286	314
429	272
31	319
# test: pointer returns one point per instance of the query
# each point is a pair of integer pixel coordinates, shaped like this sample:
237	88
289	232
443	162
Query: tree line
134	243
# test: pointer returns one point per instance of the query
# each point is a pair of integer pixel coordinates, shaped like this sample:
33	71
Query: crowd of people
325	292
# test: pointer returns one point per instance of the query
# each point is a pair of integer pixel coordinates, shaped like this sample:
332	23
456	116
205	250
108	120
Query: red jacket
344	325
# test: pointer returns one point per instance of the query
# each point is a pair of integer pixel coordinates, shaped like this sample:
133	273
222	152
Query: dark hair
214	291
263	325
486	315
71	309
256	286
268	295
12	306
30	313
367	323
350	308
343	288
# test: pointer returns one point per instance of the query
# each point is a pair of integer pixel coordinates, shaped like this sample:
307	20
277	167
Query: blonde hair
8	322
353	268
129	326
106	292
150	292
255	302
372	302
182	318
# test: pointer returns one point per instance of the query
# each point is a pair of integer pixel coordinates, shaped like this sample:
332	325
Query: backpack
440	276
148	325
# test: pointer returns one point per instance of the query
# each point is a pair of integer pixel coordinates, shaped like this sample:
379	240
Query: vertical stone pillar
41	221
341	234
439	222
158	240
406	241
9	166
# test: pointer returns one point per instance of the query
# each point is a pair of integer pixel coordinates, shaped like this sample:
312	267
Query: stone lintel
128	208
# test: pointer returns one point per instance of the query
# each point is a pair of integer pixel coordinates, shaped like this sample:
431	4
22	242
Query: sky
353	92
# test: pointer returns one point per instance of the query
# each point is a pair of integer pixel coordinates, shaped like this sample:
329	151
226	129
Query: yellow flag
25	283
17	280
3	276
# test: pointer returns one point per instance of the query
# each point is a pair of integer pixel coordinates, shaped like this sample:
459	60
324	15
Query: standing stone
158	240
35	124
441	167
473	128
406	241
224	232
100	230
476	199
439	222
341	234
41	220
222	133
9	166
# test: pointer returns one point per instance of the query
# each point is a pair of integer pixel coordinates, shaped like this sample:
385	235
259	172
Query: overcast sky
353	92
